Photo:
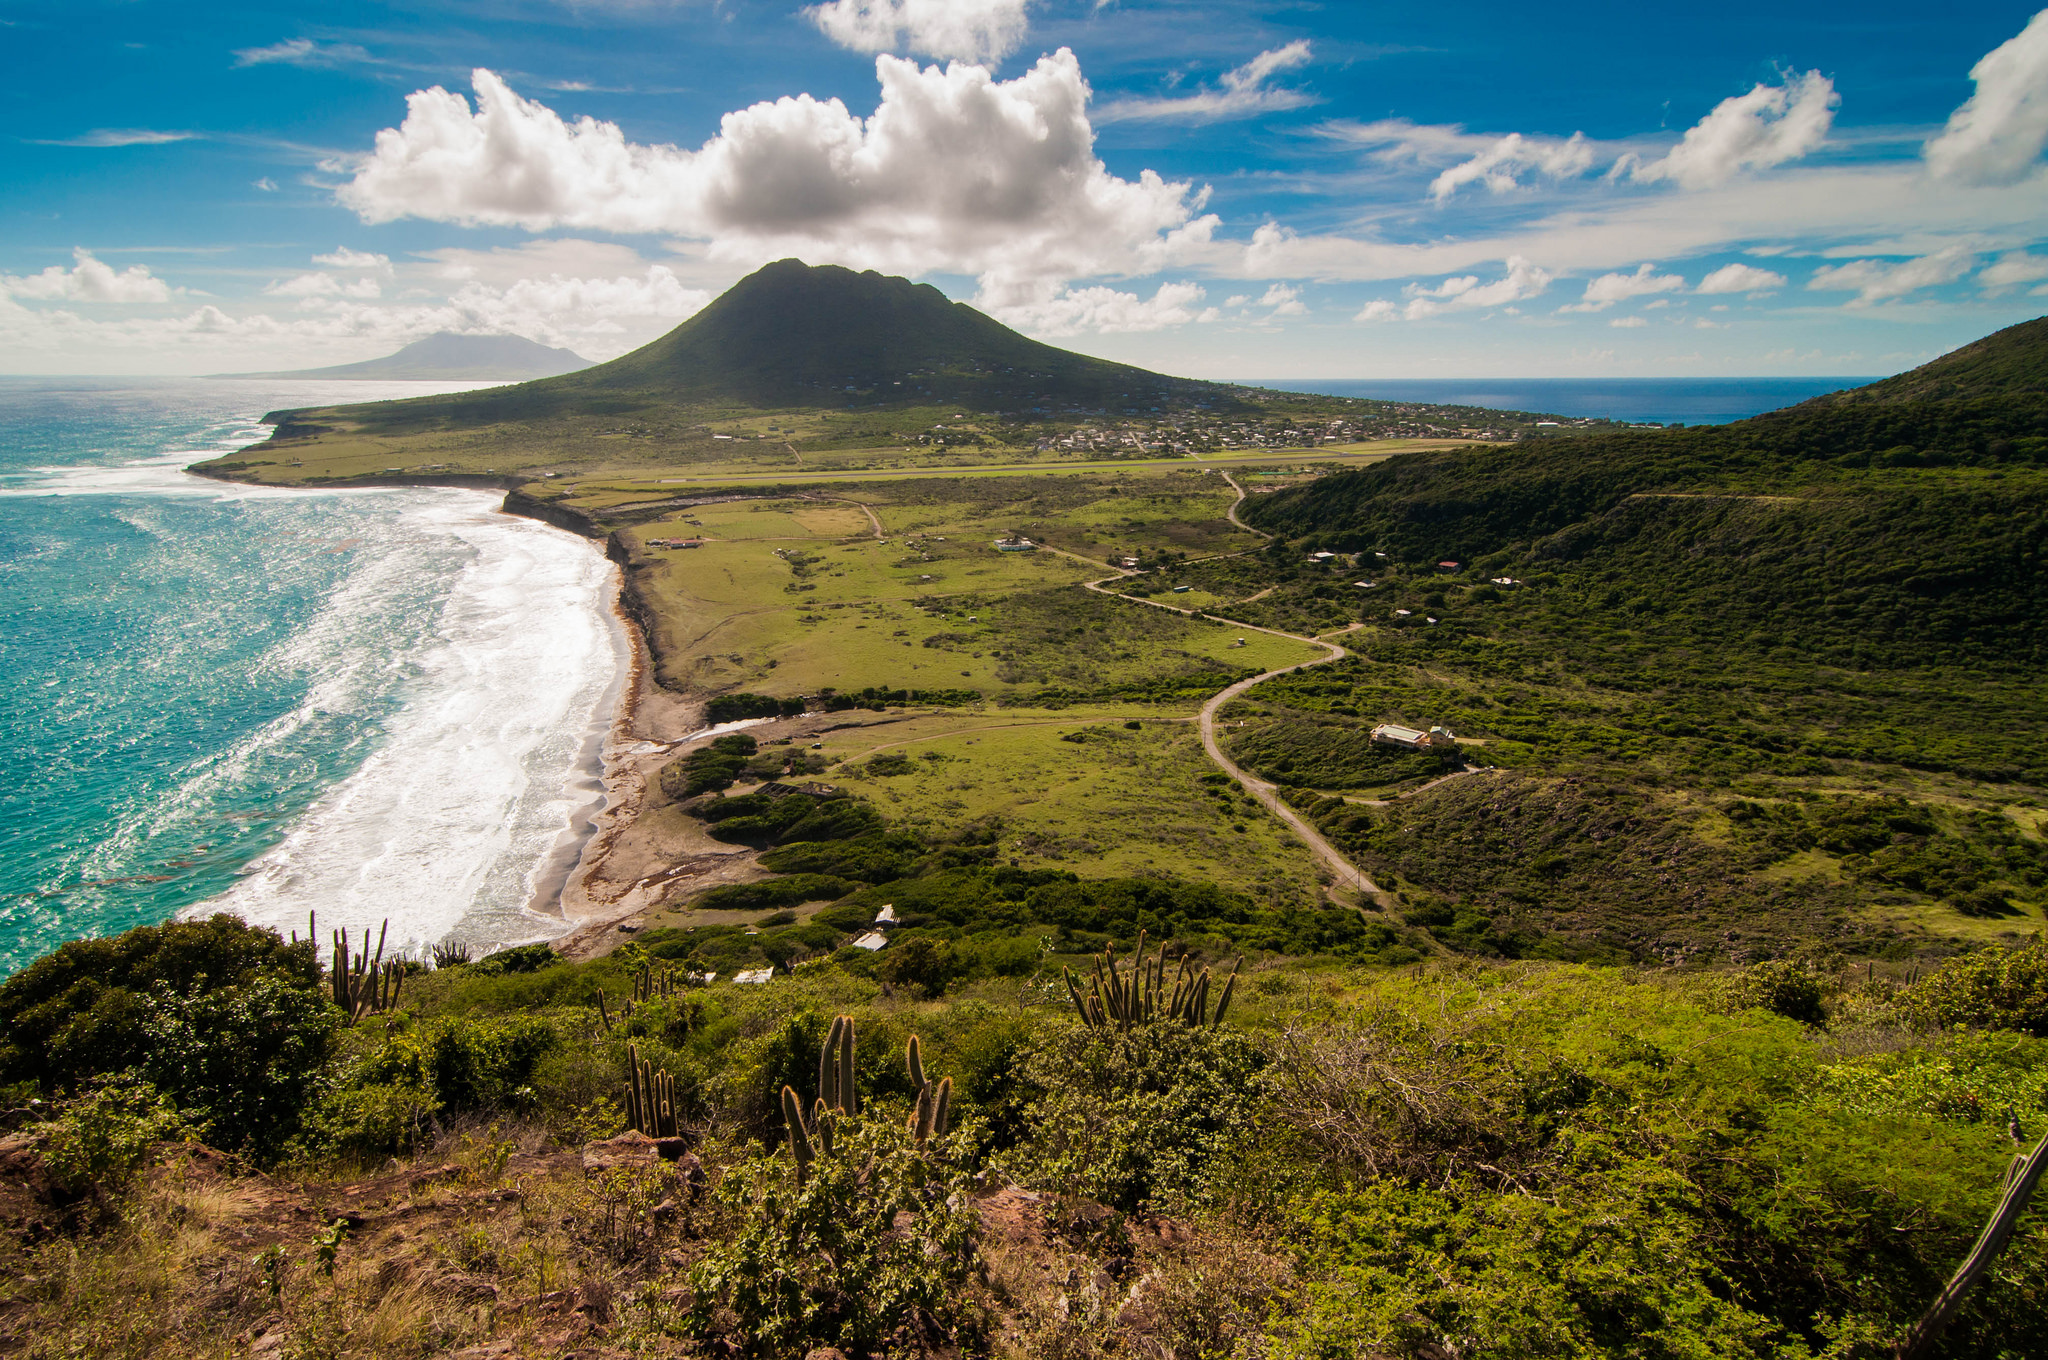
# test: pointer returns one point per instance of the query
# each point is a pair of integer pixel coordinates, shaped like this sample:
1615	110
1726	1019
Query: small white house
753	976
874	939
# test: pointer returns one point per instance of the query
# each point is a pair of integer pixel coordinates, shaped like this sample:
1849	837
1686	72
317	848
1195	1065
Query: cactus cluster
361	984
650	1098
934	1102
839	1097
449	955
649	984
1141	995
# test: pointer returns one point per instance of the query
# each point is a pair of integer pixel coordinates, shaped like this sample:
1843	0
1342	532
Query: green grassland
792	595
1084	789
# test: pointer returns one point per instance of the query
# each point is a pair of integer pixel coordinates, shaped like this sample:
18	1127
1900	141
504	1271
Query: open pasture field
795	594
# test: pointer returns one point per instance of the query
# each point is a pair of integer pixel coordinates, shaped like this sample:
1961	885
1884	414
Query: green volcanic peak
792	336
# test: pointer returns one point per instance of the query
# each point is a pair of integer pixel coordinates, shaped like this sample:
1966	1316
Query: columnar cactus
650	1098
1141	996
359	983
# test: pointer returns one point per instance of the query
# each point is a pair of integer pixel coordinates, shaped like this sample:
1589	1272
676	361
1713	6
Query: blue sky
1228	190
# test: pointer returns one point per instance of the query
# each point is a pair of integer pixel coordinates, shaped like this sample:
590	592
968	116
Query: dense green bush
1990	989
83	1010
242	1061
875	1245
525	958
708	768
1144	1119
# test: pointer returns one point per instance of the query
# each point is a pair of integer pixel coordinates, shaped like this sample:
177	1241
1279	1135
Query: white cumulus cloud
2012	269
1628	323
1996	136
1245	92
957	30
1522	280
1500	167
1284	299
88	280
324	286
1609	289
1877	281
955	171
1072	311
1740	278
1768	126
341	257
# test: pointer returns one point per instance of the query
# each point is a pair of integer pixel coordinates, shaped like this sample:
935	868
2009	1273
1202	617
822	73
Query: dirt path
1231	513
1343	870
1419	788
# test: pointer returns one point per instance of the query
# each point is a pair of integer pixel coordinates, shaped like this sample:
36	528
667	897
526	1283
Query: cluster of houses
675	542
1015	543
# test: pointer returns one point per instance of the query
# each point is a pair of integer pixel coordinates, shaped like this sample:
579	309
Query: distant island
448	357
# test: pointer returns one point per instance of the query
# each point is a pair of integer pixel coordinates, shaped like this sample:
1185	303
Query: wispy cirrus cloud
1501	166
303	52
1879	281
1244	91
102	137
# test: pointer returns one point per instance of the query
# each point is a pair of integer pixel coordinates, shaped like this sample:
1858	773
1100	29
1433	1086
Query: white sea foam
496	639
447	827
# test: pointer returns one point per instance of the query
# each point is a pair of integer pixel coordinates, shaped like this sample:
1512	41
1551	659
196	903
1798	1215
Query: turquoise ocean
373	704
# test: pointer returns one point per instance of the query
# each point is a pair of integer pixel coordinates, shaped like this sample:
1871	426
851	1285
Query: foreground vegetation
1462	1158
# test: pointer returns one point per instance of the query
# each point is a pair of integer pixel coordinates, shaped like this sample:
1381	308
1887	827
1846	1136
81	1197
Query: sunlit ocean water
1663	401
372	704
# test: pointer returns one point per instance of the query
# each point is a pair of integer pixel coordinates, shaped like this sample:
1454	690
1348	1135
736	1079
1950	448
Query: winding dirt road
1342	870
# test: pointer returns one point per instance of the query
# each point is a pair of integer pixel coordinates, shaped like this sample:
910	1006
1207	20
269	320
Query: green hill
792	336
448	357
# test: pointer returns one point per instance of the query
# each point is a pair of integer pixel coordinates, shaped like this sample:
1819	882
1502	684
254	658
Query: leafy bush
1143	1119
1990	989
461	1062
876	1244
774	892
734	707
100	1139
244	1061
525	958
82	1011
709	767
1782	988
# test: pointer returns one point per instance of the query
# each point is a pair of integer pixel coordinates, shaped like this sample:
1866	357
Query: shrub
462	1063
525	958
733	707
100	1139
709	767
1990	989
1140	1119
922	963
365	1123
81	1011
877	1241
775	892
1781	988
243	1060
